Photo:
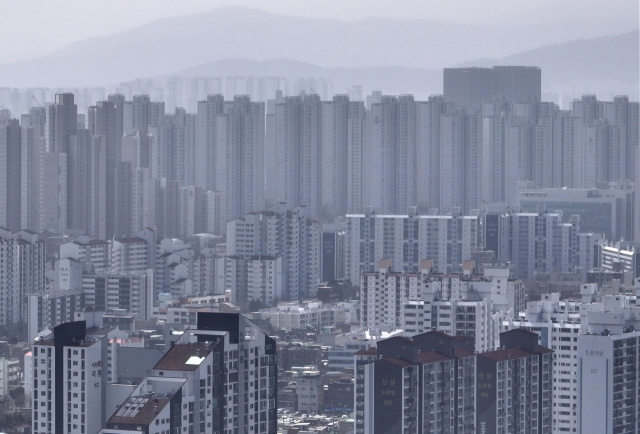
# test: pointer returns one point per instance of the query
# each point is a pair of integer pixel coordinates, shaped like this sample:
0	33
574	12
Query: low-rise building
290	315
309	390
9	375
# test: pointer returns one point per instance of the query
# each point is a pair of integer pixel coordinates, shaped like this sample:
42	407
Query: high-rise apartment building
103	120
534	242
129	255
606	140
607	211
69	381
279	232
55	192
294	137
219	376
342	141
465	304
87	184
499	165
609	384
10	174
22	273
406	239
460	161
206	155
110	292
240	158
332	252
243	399
173	147
32	174
61	123
397	388
88	250
584	335
470	87
558	324
140	113
358	162
230	153
50	309
394	142
636	209
435	381
514	385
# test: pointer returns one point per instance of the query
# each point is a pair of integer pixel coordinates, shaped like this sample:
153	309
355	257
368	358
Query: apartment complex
217	377
438	382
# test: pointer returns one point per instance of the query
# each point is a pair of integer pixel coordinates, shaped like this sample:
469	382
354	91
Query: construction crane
35	99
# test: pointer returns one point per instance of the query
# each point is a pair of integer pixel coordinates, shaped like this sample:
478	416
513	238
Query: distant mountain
391	80
177	43
603	61
592	13
573	67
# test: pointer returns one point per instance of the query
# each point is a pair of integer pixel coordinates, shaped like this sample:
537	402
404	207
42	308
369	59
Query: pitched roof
138	410
506	354
368	352
184	357
430	357
400	362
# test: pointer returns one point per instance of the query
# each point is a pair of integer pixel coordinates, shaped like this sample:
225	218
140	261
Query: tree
17	395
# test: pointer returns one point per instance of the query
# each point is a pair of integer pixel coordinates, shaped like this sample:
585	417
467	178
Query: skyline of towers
119	167
470	87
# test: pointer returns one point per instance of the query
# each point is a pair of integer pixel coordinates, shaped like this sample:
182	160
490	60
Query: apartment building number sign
96	372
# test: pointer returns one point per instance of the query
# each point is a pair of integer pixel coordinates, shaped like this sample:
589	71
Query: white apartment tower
406	239
534	242
129	255
244	398
69	381
23	271
89	250
279	232
465	304
111	292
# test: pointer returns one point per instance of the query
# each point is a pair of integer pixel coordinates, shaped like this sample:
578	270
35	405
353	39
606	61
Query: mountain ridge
423	82
158	48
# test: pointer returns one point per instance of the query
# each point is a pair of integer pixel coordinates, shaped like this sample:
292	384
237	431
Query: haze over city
297	217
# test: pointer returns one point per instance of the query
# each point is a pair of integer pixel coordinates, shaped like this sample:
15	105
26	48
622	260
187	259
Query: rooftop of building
139	410
399	362
372	351
130	240
447	336
461	352
82	343
513	353
100	331
506	354
403	339
184	357
264	257
431	356
525	331
91	243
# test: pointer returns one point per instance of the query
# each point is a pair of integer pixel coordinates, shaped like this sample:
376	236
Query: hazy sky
31	28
